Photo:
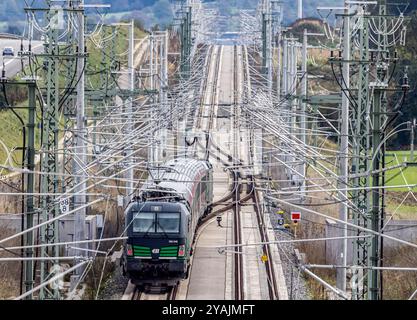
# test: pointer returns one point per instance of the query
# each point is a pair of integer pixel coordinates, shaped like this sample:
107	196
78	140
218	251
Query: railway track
233	200
200	110
235	190
269	266
133	292
213	103
208	92
237	197
237	230
238	200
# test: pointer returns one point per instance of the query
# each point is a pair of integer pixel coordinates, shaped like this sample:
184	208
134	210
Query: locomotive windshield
168	223
145	222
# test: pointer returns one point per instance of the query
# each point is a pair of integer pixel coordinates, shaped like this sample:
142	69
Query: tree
139	23
408	59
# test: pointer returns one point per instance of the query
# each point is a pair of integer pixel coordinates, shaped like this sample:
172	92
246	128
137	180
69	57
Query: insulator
405	86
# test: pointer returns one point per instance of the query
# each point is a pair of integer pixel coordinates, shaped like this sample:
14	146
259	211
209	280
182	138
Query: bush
399	285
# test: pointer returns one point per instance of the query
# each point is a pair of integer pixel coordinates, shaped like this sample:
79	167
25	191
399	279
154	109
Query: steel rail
237	217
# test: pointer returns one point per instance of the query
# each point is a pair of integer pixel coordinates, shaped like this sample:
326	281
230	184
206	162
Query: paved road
13	64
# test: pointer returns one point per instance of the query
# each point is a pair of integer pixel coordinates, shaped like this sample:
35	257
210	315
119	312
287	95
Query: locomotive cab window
168	223
150	222
144	222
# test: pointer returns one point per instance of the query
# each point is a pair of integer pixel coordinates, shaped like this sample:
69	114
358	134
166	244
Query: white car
8	51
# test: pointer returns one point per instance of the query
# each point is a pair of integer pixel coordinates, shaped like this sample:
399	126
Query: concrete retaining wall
10	203
401	229
93	225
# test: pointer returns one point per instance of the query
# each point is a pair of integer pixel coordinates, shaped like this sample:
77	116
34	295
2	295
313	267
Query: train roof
177	176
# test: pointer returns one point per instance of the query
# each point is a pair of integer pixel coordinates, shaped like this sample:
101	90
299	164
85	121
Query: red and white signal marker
295	217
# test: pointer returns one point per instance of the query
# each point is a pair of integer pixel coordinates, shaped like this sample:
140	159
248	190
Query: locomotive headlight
181	251
129	250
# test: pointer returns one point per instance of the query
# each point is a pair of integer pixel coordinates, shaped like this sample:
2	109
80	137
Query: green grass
406	212
395	177
95	58
121	44
11	135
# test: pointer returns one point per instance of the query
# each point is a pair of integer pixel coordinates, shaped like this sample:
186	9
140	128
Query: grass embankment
96	59
400	202
11	132
11	136
9	271
400	176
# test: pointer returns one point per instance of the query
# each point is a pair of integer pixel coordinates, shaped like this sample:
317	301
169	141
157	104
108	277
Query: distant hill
153	12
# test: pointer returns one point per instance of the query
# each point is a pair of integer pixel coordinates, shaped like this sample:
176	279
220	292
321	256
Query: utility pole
279	62
360	163
165	102
129	111
30	188
163	93
300	9
370	120
379	116
186	37
55	56
303	98
185	16
344	152
28	179
152	147
279	49
81	141
284	88
293	102
267	43
50	164
413	128
289	74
